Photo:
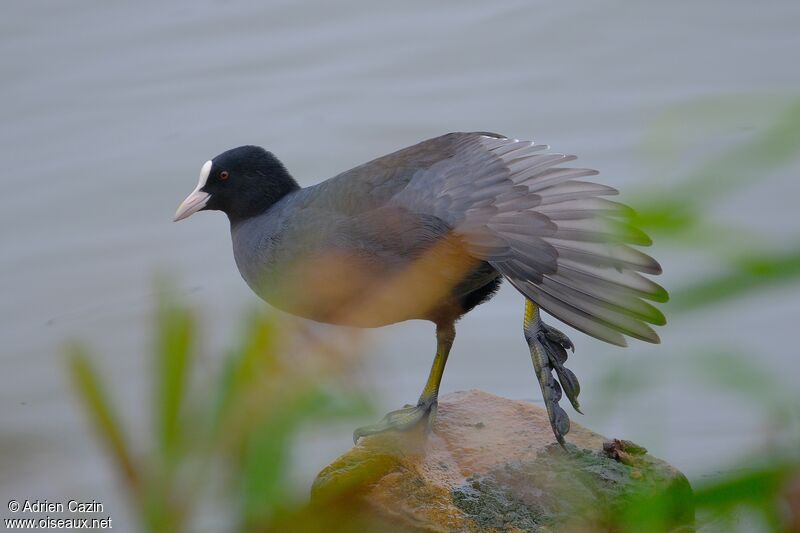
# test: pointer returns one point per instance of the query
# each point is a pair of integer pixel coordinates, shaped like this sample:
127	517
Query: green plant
226	444
762	490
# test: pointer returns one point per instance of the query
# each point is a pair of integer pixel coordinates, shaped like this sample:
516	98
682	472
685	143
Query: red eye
223	175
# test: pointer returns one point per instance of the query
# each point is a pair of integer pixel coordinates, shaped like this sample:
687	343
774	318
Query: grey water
110	108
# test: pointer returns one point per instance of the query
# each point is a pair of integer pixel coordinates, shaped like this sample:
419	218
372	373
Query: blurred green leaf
738	373
264	470
719	502
747	162
753	272
90	390
755	485
253	359
680	128
263	398
174	333
758	487
680	209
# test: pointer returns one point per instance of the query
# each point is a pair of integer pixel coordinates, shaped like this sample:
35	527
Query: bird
429	232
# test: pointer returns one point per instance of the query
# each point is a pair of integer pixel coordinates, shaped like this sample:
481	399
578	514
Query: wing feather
554	236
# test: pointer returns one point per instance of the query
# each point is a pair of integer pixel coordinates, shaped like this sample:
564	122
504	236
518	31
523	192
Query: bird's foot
402	419
549	353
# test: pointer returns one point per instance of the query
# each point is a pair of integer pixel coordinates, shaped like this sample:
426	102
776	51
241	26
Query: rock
492	464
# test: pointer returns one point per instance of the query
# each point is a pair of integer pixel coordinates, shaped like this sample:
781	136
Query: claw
549	353
558	337
400	420
555	351
556	344
560	423
569	382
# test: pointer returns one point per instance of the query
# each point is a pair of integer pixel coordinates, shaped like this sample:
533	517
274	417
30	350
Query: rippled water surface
109	109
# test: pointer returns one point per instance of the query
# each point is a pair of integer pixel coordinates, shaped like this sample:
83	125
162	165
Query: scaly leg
549	352
408	417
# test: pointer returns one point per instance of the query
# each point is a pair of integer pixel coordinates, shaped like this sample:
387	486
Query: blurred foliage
764	496
682	215
232	437
674	212
762	491
751	271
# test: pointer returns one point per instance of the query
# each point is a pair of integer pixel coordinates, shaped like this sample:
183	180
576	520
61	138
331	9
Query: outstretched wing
554	236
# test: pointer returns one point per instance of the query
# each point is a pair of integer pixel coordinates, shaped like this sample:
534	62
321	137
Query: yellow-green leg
548	348
410	416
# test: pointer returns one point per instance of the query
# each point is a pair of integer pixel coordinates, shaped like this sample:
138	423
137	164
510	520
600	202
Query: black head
242	183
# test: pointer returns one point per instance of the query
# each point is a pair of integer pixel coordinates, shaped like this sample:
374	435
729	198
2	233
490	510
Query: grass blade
87	384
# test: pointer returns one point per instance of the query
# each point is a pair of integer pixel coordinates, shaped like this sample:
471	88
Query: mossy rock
490	464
